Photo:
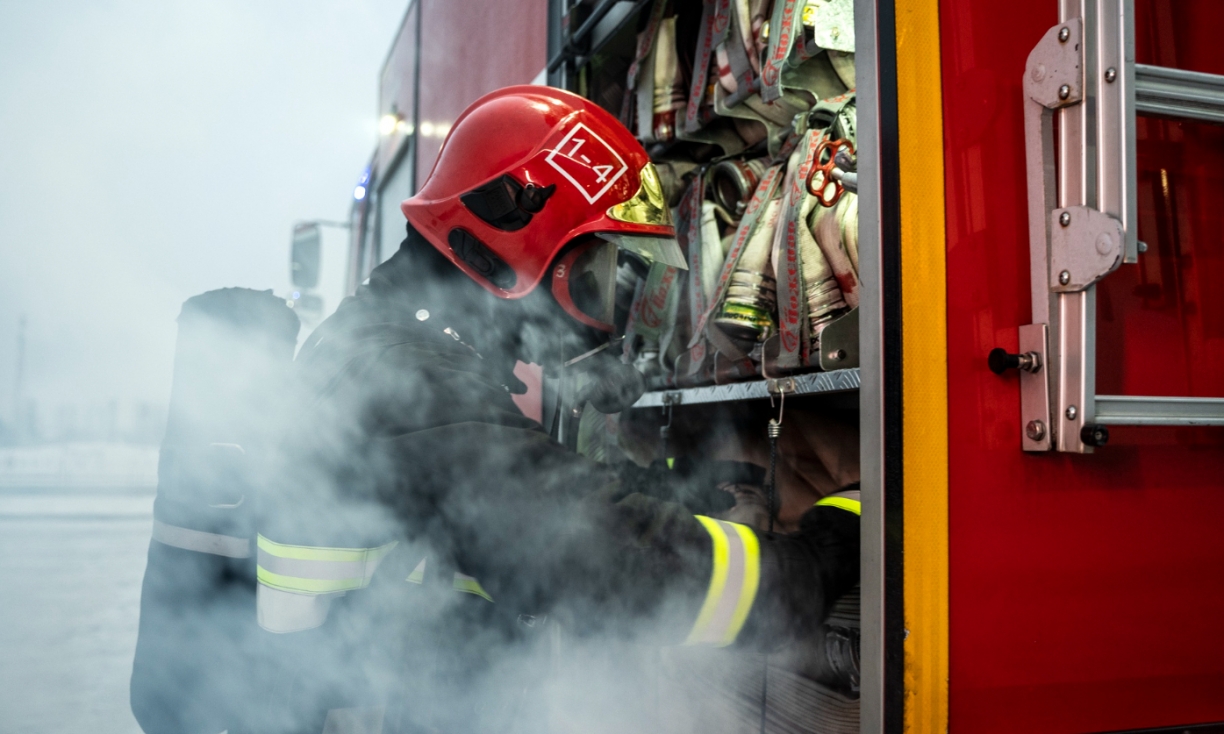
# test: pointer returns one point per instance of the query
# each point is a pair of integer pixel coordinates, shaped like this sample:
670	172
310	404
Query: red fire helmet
525	171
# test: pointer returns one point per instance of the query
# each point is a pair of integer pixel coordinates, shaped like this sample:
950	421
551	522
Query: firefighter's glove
704	487
608	384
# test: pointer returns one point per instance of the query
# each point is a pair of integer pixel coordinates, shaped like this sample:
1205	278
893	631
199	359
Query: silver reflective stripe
308	569
734	579
354	721
284	611
200	541
851	494
720	620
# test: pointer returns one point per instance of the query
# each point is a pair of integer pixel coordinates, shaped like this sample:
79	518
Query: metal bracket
839	343
1085	246
1037	431
779	385
672	398
1053	78
1054	72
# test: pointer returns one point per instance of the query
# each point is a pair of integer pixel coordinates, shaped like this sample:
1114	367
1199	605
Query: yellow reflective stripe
308	586
843	503
469	585
320	553
418	574
734	581
316	570
461	582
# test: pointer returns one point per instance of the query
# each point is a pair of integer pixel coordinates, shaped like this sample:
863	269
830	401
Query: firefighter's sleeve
543	529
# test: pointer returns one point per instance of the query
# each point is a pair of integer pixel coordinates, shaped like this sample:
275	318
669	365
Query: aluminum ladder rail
1082	216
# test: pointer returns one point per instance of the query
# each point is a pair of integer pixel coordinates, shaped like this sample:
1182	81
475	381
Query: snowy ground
74	528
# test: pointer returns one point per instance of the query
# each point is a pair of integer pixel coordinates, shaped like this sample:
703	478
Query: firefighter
409	466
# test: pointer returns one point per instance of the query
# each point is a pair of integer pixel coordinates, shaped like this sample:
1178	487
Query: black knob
1094	435
1000	360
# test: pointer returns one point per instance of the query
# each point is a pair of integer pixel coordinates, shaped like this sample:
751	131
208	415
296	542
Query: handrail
1179	93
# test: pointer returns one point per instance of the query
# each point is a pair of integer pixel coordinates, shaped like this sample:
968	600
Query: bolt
837	355
1065	219
1104	243
1142	246
1064	277
1072	411
1063	34
1035	430
1111	75
1094	435
422	315
1064	91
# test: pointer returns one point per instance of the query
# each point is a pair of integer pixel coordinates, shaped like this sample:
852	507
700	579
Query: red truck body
1067	592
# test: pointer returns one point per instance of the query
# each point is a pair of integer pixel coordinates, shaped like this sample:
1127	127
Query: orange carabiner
825	168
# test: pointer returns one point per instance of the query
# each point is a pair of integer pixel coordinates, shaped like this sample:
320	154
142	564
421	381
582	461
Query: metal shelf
807	384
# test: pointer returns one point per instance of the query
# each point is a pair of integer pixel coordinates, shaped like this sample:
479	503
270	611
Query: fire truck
1022	320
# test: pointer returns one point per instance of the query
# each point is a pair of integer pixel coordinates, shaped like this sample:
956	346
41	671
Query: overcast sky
151	150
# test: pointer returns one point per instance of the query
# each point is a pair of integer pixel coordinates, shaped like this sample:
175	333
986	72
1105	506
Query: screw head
1072	411
1142	246
1065	219
1111	75
1064	91
837	355
1064	277
1035	430
422	315
1063	34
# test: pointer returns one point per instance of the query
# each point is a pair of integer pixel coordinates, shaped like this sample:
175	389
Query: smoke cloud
165	150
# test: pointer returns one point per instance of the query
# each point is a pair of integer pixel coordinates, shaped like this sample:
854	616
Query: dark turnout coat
404	435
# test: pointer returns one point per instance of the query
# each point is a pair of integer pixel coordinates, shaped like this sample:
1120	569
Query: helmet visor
664	250
585	279
584	283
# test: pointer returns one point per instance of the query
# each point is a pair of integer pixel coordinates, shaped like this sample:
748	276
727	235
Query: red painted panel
1184	34
1086	591
1161	322
469	49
